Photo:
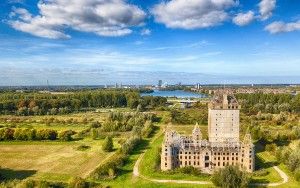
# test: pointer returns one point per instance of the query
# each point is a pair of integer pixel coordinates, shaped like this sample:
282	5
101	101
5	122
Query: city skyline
137	42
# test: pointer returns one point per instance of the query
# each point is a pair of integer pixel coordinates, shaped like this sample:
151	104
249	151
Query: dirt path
283	175
136	173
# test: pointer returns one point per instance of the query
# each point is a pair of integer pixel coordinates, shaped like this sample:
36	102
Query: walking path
136	173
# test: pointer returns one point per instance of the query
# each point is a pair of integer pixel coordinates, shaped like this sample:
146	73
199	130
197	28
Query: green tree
230	177
108	144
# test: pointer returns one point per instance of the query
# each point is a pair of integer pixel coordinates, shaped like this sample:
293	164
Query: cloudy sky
139	41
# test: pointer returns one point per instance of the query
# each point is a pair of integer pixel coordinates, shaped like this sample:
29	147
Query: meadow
59	161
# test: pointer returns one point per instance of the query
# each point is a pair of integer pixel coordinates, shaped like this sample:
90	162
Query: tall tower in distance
159	83
223	118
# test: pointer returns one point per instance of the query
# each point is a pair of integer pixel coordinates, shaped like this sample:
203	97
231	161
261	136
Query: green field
57	161
60	161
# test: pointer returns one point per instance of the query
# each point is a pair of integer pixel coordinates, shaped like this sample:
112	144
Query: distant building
159	83
223	146
198	86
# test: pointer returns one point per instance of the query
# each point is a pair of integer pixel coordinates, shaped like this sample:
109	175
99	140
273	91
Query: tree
294	160
230	177
147	129
108	144
285	107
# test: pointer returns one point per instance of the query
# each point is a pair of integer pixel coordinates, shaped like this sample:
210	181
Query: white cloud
192	14
102	17
243	19
145	32
281	27
266	7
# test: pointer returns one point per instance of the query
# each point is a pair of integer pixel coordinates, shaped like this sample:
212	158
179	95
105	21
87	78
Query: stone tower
223	118
196	134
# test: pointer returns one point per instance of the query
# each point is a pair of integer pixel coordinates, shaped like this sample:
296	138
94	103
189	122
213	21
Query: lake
176	93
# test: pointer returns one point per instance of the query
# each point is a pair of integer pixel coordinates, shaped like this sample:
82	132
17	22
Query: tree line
8	134
46	103
269	103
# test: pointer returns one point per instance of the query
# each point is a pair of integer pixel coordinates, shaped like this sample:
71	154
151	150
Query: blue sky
138	41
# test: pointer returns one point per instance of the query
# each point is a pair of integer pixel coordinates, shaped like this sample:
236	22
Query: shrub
95	125
147	129
230	177
262	172
129	145
94	133
294	160
110	168
66	135
46	134
108	144
271	147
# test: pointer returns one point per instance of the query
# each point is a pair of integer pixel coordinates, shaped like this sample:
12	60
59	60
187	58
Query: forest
34	103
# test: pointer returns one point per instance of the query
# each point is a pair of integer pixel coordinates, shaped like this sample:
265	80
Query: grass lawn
126	178
266	161
54	161
292	183
187	129
149	169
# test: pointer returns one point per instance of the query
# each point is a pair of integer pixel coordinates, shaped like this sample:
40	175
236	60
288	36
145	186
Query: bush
230	177
271	147
95	125
129	145
66	135
110	168
108	144
7	134
294	160
147	129
46	134
259	173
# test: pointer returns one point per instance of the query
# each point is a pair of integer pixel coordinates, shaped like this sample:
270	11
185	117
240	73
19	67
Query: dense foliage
291	158
230	177
110	169
117	121
52	103
197	114
269	103
7	134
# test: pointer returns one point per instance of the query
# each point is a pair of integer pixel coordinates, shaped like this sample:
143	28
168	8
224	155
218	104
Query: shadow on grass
143	144
154	131
9	174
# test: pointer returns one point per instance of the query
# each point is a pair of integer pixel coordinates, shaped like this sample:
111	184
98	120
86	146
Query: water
176	93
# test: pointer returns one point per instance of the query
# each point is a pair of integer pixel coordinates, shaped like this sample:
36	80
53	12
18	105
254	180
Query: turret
197	135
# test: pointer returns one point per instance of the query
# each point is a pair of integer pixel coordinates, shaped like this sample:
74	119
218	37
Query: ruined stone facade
223	146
